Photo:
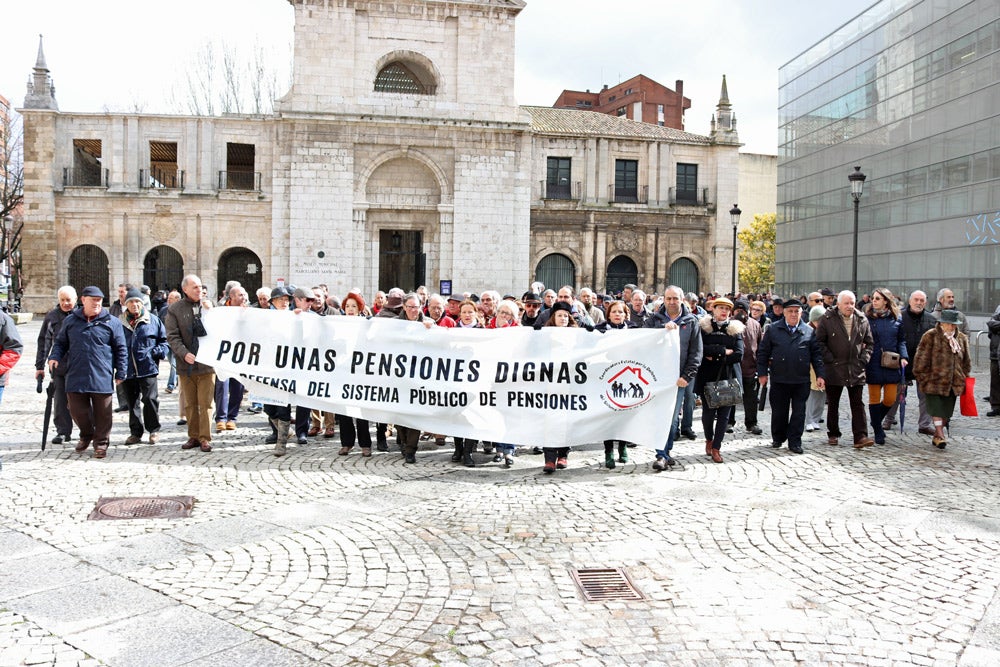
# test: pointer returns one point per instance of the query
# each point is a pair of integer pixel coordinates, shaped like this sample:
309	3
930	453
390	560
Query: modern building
640	98
397	158
909	91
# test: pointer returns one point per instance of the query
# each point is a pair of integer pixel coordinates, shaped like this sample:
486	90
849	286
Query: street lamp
857	180
734	215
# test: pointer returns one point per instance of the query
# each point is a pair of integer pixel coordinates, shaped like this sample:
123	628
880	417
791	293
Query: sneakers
133	440
508	461
57	440
561	463
154	438
812	426
660	464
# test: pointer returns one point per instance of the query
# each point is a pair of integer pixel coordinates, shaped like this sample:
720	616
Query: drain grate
161	507
604	584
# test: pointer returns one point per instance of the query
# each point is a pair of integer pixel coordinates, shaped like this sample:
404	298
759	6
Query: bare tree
11	199
222	78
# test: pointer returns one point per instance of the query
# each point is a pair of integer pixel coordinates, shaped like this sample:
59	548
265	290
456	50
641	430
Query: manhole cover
161	507
604	584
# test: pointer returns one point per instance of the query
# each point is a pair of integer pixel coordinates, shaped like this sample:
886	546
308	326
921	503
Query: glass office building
909	91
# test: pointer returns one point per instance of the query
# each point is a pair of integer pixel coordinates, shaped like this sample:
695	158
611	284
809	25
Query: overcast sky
120	53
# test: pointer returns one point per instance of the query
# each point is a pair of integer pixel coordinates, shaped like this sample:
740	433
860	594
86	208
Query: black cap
91	290
826	291
279	292
792	303
531	297
456	296
560	305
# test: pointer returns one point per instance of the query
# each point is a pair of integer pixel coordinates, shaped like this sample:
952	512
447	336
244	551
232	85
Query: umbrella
902	401
763	397
50	393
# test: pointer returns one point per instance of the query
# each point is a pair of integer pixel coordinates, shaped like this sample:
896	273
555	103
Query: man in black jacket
46	337
788	349
993	325
916	322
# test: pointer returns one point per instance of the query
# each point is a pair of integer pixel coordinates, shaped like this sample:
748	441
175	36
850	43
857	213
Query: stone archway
88	265
163	269
621	271
684	274
555	270
240	264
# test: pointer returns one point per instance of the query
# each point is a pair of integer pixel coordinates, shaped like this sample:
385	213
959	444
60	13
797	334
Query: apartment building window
557	178
661	117
239	173
687	182
626	180
622	111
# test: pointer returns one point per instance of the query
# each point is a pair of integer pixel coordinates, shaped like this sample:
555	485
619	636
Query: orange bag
967	404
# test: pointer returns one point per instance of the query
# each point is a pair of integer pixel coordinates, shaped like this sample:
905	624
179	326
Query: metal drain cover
153	507
605	584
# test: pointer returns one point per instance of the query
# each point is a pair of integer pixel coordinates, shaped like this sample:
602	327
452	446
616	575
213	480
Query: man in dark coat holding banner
788	349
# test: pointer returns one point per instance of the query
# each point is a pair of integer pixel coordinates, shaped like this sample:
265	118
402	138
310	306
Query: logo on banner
627	385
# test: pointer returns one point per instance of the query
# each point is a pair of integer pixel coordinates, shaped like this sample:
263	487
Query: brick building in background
640	98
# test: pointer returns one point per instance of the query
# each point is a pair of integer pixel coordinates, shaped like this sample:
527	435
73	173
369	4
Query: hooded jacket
146	339
690	334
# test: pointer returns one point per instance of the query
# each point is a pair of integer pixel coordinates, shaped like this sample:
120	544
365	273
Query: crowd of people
805	351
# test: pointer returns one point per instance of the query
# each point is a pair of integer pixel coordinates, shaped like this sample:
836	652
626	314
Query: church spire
41	90
724	120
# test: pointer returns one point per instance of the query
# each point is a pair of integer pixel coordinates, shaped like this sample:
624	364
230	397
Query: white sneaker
812	427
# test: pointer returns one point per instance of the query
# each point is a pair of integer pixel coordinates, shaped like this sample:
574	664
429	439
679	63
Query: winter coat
914	328
887	333
845	360
146	340
179	324
690	334
993	326
938	370
752	336
47	337
606	326
11	346
785	354
716	339
95	351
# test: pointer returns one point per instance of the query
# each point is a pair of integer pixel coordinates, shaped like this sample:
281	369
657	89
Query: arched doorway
243	265
621	272
684	274
555	270
88	265
163	269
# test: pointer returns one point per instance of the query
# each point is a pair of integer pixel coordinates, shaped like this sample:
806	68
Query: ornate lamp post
734	215
857	180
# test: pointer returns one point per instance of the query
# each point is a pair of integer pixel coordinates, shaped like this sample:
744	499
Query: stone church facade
398	157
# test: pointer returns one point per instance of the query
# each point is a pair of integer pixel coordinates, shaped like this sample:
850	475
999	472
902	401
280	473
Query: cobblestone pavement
887	556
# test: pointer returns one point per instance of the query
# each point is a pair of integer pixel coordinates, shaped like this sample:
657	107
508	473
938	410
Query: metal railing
158	179
85	178
561	190
689	197
637	195
239	180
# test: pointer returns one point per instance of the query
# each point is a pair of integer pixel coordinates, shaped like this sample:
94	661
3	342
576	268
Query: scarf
953	342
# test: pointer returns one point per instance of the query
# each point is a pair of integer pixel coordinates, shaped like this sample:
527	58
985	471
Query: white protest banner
553	387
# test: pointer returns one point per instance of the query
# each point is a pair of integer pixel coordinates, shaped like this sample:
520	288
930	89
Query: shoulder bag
890	359
723	393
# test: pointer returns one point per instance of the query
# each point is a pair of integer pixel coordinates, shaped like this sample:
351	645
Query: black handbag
723	393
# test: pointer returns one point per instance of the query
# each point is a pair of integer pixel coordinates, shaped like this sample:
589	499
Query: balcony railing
239	180
689	197
85	178
158	179
637	195
561	190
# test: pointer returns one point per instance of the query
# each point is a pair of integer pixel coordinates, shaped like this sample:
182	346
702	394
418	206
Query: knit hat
133	294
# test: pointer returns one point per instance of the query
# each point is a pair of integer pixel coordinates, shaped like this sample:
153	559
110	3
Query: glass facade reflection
909	91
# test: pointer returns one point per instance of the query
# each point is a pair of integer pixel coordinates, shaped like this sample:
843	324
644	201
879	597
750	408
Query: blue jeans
687	414
675	419
1	392
172	378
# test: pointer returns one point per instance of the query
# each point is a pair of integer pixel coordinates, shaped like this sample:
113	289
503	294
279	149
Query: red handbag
967	404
